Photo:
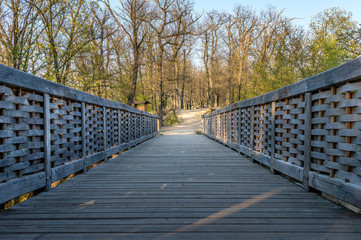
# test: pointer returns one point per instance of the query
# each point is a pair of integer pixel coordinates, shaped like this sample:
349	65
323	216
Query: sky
303	10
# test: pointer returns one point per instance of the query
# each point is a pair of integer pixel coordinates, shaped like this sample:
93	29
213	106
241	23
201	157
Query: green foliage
327	45
171	119
86	45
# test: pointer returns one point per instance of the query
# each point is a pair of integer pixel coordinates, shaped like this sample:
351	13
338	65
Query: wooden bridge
182	186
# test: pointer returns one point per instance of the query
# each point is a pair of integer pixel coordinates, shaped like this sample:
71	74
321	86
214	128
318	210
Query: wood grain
179	187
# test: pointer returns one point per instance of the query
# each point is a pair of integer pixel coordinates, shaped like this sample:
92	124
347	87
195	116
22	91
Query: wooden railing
310	131
49	131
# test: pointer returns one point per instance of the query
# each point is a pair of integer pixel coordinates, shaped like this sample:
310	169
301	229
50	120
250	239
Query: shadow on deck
179	187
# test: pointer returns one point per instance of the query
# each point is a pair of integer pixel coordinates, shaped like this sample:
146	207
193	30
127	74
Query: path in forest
191	122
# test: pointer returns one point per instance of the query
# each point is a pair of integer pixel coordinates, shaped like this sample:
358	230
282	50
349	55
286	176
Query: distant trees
164	52
19	32
331	40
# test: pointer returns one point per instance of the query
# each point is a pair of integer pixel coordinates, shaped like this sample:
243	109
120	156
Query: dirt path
191	122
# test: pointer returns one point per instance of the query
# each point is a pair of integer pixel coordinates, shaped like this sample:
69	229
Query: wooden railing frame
348	73
17	186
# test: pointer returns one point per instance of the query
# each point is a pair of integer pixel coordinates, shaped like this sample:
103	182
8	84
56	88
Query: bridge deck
179	187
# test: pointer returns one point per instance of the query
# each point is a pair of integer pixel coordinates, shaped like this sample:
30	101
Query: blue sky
301	9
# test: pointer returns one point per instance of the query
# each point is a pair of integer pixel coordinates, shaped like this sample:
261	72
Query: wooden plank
347	192
94	158
19	186
67	169
184	184
176	182
307	140
47	144
188	236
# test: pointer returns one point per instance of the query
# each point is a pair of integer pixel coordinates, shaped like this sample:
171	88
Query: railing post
141	125
252	129
47	143
83	136
273	136
129	114
158	124
239	113
230	122
307	140
135	126
105	133
119	130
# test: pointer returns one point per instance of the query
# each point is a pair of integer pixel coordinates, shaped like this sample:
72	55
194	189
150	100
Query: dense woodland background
164	52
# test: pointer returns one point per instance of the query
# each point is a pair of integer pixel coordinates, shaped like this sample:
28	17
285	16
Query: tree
327	29
211	46
165	16
19	31
132	17
66	33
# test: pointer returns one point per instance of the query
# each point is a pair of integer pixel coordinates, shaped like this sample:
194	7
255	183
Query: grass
171	119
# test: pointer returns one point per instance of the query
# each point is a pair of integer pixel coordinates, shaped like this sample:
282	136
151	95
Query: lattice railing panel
319	131
234	126
336	134
112	126
21	133
132	126
94	128
257	129
296	117
310	131
49	131
246	126
124	126
65	130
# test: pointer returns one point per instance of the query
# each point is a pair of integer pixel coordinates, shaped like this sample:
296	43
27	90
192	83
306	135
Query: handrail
50	131
309	130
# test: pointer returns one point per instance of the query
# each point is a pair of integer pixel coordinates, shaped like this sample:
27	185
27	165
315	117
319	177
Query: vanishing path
179	186
191	122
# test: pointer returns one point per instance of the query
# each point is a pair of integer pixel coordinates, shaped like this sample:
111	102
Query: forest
167	53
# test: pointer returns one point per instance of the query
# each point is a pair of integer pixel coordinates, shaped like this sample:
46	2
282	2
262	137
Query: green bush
171	119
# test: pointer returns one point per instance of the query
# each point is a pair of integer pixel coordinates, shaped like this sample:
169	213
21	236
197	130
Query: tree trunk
183	82
161	93
135	68
240	75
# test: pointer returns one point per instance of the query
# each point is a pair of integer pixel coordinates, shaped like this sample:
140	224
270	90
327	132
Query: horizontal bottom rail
17	187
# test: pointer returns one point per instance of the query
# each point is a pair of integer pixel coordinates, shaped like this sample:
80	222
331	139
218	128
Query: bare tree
211	40
19	31
166	15
132	17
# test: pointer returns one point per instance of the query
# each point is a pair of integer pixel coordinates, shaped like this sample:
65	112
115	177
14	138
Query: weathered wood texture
46	134
179	187
317	128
